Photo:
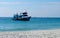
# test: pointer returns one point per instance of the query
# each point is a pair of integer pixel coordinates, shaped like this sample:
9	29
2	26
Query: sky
35	8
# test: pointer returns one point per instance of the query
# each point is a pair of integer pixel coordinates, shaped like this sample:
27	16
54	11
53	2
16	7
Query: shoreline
54	33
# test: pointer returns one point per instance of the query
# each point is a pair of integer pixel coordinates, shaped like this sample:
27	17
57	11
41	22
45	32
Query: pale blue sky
35	8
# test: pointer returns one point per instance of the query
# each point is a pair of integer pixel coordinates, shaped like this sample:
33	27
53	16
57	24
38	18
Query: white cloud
54	3
14	3
49	3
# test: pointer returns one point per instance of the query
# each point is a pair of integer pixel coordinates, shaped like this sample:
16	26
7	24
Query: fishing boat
22	17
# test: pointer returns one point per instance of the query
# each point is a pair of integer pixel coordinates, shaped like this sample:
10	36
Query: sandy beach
31	34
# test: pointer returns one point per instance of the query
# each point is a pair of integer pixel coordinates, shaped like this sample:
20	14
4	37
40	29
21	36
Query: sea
35	23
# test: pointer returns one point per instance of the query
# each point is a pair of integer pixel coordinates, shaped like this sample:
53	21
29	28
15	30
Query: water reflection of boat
23	16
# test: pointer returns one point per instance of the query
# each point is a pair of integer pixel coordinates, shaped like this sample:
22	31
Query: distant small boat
23	17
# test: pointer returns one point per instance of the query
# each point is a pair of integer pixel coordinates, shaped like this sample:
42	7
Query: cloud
46	3
14	3
56	3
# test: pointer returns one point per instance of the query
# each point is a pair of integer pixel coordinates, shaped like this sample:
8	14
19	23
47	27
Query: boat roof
24	12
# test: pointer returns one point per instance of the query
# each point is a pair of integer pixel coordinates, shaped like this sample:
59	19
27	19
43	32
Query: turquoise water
34	24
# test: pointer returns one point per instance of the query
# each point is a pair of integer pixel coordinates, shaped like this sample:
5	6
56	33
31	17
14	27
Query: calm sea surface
34	24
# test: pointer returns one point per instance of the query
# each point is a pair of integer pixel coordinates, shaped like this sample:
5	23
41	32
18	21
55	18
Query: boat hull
22	19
